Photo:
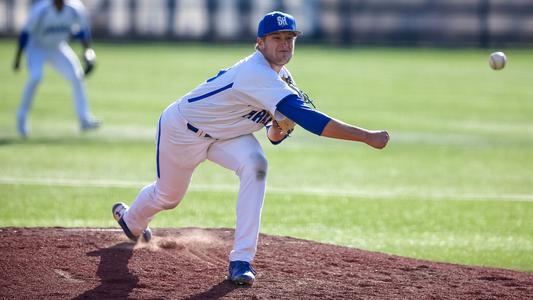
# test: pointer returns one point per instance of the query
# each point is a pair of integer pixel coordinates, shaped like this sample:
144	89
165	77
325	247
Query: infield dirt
191	263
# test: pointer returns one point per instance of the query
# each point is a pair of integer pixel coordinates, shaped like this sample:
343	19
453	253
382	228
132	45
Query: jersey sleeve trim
295	109
83	35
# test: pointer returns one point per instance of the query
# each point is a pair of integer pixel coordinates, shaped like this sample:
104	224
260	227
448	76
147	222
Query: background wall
482	23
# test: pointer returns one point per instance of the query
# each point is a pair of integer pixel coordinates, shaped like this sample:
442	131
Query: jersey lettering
56	29
259	117
250	114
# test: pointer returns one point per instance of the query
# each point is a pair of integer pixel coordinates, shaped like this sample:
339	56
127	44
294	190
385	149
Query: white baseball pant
179	152
65	61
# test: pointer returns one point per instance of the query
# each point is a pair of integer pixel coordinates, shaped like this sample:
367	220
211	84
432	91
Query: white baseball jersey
229	108
236	101
48	28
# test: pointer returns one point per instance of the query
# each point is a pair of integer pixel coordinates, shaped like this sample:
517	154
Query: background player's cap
276	21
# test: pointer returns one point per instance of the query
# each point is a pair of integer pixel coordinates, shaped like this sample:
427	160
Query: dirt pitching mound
191	263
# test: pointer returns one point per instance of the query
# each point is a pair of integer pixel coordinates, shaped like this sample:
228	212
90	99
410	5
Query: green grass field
455	183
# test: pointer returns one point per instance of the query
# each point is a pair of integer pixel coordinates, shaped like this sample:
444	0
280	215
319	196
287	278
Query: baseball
497	60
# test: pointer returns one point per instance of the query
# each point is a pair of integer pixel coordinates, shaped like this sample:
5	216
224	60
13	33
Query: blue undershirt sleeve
83	35
295	109
23	39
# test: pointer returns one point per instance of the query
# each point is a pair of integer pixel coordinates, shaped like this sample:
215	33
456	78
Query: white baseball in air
497	60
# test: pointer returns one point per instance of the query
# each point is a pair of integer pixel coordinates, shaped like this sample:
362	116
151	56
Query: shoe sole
246	283
243	281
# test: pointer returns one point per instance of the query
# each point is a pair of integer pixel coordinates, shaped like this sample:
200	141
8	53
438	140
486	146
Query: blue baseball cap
276	21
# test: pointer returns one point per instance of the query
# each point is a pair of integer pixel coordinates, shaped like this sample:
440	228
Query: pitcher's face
277	48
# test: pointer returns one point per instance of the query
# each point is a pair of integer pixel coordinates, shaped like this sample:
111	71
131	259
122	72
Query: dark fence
482	23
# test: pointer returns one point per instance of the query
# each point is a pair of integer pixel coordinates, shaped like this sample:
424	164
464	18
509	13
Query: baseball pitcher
216	122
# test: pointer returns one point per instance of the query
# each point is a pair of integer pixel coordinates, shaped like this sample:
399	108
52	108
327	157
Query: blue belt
198	131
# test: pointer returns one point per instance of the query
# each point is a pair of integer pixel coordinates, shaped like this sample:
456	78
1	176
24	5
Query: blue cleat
241	272
119	209
22	126
91	124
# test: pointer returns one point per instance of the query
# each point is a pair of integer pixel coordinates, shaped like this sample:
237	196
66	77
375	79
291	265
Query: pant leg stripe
157	148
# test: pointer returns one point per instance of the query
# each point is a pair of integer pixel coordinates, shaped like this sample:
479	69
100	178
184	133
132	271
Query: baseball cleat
22	127
90	125
119	209
241	272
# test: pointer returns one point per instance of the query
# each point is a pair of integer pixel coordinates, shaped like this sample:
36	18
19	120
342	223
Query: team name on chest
259	117
56	28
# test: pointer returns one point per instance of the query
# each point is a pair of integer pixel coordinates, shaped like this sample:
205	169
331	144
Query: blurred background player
50	25
216	121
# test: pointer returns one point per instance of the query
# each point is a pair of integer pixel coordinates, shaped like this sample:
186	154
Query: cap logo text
282	21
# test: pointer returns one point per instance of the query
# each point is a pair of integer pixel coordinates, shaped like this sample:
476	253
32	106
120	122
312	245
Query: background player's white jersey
237	100
48	28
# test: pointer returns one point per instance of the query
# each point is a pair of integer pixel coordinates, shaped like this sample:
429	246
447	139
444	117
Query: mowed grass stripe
300	190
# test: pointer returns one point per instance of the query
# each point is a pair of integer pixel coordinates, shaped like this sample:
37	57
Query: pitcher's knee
170	205
168	200
257	164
